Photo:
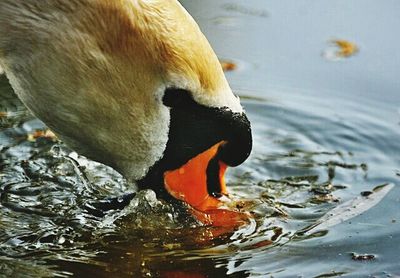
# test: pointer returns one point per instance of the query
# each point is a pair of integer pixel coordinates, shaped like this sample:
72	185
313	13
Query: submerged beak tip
201	184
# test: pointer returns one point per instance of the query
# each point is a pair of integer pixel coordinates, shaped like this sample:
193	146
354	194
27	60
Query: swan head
133	84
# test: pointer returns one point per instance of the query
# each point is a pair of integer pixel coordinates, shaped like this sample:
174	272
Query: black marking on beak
194	128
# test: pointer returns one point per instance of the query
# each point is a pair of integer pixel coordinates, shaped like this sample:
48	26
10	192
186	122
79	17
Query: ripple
62	214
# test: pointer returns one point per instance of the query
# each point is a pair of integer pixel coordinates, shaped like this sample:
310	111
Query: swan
133	84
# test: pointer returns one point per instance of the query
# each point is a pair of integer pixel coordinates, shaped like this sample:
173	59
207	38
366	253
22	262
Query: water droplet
61	240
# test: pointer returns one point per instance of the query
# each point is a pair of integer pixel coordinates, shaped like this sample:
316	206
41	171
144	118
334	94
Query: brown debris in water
47	134
3	114
362	257
228	65
340	49
366	193
347	48
320	199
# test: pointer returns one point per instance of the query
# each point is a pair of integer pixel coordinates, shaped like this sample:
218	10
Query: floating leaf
347	48
228	65
340	49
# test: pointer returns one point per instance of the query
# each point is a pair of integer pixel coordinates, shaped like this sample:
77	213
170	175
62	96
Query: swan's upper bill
130	83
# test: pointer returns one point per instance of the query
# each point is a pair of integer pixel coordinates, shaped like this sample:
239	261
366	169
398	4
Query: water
325	130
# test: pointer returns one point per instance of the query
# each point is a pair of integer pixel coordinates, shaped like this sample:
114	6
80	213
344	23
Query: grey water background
325	131
349	105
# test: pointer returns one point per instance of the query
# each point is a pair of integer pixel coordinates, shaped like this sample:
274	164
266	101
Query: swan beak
189	182
201	184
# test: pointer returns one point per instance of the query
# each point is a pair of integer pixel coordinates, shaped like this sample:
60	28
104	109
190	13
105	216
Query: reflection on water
313	152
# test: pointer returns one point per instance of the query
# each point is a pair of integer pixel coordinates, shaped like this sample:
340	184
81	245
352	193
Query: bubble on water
151	198
134	203
61	240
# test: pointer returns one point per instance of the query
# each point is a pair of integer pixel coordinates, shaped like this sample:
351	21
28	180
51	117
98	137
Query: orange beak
189	184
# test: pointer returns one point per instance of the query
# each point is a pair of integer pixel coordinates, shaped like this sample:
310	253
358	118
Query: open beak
189	182
201	184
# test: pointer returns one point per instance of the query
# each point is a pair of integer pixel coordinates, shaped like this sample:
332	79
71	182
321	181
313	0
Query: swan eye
174	97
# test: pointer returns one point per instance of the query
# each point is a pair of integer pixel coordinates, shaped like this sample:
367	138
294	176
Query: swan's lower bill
201	184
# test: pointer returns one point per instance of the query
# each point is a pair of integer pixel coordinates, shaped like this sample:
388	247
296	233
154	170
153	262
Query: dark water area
326	134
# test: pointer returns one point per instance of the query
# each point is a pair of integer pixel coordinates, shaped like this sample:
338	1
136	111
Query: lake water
326	132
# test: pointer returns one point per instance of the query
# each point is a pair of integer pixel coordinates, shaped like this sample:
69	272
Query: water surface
325	132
